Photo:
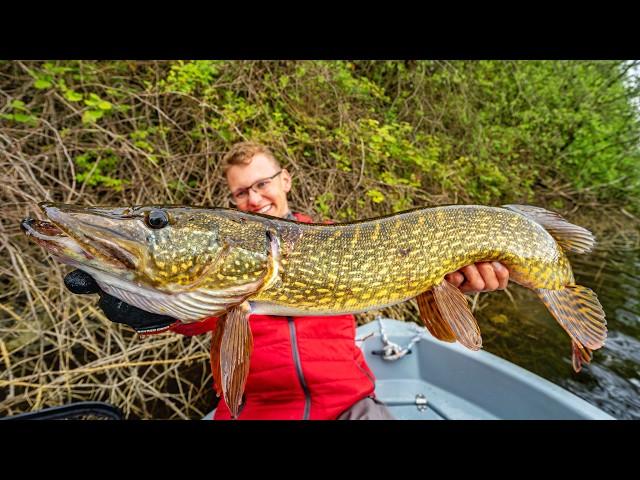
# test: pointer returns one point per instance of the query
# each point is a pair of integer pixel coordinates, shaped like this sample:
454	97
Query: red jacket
301	367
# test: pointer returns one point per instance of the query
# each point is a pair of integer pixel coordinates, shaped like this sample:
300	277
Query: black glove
116	310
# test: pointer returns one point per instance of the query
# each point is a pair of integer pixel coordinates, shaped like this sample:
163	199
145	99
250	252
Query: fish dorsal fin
579	313
432	318
569	236
456	314
235	350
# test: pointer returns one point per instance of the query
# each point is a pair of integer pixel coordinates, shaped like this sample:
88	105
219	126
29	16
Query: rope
393	351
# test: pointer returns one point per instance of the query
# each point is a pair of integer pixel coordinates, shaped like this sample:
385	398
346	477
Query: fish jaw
66	249
105	234
120	252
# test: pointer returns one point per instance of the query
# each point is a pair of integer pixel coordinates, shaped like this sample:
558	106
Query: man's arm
480	277
141	321
116	310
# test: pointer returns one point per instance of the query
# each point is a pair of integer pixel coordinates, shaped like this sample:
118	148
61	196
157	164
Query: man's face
272	199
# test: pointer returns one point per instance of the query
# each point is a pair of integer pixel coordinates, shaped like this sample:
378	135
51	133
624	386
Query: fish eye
157	219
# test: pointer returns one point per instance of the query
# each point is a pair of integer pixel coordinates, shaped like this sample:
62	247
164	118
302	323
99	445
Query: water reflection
524	333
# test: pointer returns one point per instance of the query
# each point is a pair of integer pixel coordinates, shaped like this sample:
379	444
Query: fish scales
347	267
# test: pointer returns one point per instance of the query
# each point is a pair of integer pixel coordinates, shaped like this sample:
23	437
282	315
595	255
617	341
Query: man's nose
254	197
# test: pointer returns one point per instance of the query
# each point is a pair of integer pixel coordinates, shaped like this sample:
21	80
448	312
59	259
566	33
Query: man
301	367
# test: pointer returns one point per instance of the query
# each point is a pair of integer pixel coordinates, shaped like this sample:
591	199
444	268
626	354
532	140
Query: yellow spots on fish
383	292
376	232
355	239
336	235
160	264
351	302
299	284
174	269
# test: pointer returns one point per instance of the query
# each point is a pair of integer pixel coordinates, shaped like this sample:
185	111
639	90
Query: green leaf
41	84
22	118
18	105
72	96
19	117
375	195
90	116
104	105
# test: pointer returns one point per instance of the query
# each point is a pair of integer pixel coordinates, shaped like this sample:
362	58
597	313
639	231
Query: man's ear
286	180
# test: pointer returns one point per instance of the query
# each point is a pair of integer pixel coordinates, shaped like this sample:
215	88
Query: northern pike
191	263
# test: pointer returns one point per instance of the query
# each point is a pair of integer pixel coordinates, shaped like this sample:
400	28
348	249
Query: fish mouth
83	237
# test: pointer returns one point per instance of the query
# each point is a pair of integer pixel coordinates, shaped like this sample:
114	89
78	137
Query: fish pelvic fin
235	350
579	313
432	318
454	310
569	236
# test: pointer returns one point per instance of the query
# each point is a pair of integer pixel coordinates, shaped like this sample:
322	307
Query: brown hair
241	154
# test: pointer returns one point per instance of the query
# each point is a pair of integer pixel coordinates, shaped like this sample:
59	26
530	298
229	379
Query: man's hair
241	154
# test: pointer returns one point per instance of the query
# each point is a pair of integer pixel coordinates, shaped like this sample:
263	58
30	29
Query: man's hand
116	310
480	277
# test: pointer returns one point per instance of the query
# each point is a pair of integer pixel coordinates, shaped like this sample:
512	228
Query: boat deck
446	381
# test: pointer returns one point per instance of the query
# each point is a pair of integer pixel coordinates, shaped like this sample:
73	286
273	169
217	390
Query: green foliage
390	134
188	77
94	169
20	113
323	202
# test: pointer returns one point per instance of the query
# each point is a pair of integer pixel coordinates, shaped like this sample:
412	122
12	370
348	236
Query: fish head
169	250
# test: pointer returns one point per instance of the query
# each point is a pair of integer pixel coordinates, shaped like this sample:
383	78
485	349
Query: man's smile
264	209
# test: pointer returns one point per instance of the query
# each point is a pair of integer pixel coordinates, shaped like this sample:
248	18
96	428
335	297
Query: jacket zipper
296	359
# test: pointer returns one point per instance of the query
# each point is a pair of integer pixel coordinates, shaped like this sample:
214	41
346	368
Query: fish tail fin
446	314
235	350
569	236
579	355
579	313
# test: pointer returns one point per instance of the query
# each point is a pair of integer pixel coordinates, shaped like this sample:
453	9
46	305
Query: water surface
524	333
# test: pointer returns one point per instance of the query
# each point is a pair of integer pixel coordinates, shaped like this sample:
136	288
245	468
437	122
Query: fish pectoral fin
216	343
236	346
579	313
456	314
432	318
569	236
579	355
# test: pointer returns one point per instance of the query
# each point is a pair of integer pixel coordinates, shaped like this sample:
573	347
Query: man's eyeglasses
242	194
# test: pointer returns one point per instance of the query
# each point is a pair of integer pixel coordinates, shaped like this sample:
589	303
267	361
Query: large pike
191	263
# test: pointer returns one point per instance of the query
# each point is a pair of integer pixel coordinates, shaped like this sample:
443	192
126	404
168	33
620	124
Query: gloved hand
116	310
